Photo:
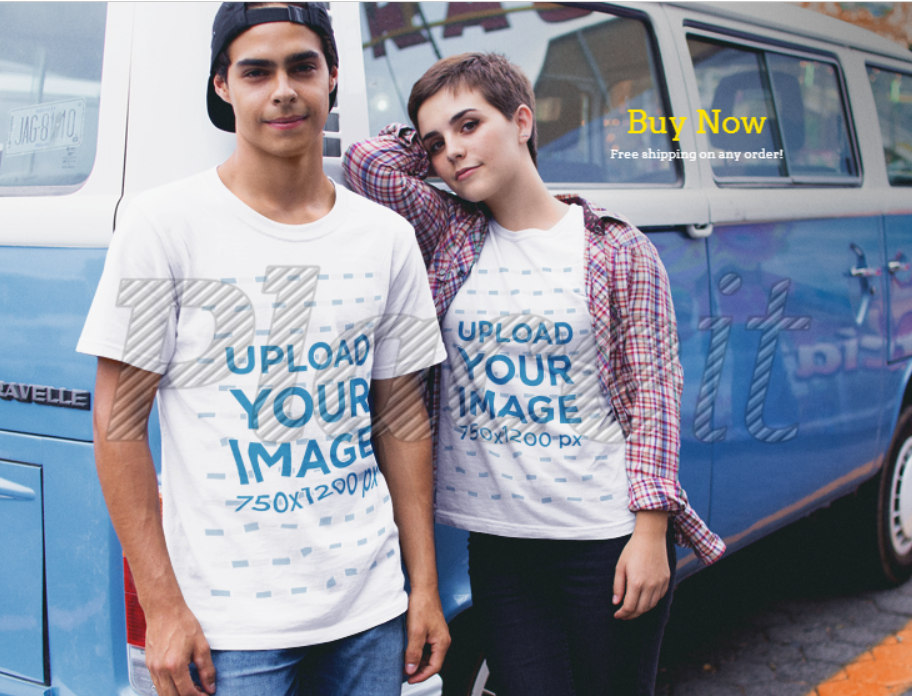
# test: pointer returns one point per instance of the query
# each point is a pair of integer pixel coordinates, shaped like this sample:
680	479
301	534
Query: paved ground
793	615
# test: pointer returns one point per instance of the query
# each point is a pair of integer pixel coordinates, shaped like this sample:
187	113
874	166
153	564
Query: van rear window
588	69
50	85
893	97
784	114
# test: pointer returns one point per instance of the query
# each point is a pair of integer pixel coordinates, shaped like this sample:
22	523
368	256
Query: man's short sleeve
133	315
408	336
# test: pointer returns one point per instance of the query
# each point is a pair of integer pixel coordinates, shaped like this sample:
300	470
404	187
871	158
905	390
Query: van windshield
590	70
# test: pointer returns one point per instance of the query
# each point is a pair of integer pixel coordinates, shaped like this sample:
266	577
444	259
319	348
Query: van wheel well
907	397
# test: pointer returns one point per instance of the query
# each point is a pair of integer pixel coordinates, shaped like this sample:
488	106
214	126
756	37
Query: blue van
766	151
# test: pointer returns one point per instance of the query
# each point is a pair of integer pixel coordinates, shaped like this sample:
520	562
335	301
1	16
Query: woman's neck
526	204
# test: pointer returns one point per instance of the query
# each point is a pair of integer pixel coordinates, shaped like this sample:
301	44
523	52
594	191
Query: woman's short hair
503	85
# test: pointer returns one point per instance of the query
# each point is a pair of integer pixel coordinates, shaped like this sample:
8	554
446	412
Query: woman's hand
642	574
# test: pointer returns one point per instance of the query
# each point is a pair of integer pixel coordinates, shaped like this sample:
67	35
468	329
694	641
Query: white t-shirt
278	522
528	446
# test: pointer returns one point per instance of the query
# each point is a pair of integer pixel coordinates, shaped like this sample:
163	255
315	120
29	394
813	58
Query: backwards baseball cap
234	18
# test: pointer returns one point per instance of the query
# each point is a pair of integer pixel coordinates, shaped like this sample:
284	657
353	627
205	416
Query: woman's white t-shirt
527	444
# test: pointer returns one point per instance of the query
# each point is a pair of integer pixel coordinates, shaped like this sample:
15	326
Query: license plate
45	127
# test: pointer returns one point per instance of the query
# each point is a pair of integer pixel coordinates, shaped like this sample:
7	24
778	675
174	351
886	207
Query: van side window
732	86
588	69
50	84
784	114
893	97
812	119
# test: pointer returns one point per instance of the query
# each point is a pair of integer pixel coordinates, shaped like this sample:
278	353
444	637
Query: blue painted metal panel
898	249
453	569
85	612
898	239
45	295
86	625
801	392
685	260
10	686
22	572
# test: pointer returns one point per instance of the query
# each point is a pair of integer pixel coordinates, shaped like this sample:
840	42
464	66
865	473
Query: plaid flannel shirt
629	301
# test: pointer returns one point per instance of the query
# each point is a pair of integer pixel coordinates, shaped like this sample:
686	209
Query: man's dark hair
223	62
503	85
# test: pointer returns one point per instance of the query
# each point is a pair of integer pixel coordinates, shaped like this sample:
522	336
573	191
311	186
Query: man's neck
290	190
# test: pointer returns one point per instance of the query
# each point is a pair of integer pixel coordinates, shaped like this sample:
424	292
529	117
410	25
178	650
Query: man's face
279	85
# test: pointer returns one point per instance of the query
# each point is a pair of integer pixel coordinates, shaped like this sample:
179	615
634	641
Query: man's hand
642	574
402	442
428	636
174	639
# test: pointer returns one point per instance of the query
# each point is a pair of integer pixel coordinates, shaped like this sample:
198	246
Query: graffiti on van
770	326
403	23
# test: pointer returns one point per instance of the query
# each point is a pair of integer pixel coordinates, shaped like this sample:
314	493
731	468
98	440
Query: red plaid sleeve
390	169
636	333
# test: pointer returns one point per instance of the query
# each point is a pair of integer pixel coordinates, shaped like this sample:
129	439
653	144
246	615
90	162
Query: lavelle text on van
51	396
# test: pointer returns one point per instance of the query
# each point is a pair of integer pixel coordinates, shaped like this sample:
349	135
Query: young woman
557	411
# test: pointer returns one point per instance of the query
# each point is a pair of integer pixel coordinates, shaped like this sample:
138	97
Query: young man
570	560
262	303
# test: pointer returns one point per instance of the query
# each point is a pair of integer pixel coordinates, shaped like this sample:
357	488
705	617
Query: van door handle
699	230
13	491
865	272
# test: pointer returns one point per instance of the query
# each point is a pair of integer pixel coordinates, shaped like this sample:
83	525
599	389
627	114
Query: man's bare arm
402	439
123	399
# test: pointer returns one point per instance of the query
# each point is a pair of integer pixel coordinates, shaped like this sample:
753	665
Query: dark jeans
547	623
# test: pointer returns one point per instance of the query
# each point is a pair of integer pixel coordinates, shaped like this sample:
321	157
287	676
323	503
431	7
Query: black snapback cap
234	18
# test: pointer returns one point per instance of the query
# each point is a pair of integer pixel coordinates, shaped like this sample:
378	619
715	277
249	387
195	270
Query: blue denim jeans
369	663
547	623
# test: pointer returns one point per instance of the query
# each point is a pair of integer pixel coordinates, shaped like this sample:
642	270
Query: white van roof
795	20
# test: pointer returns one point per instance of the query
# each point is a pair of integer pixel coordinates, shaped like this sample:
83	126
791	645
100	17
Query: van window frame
745	41
906	70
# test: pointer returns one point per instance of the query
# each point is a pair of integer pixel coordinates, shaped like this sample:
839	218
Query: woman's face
471	145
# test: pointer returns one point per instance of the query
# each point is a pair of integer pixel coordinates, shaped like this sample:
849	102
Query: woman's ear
525	119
